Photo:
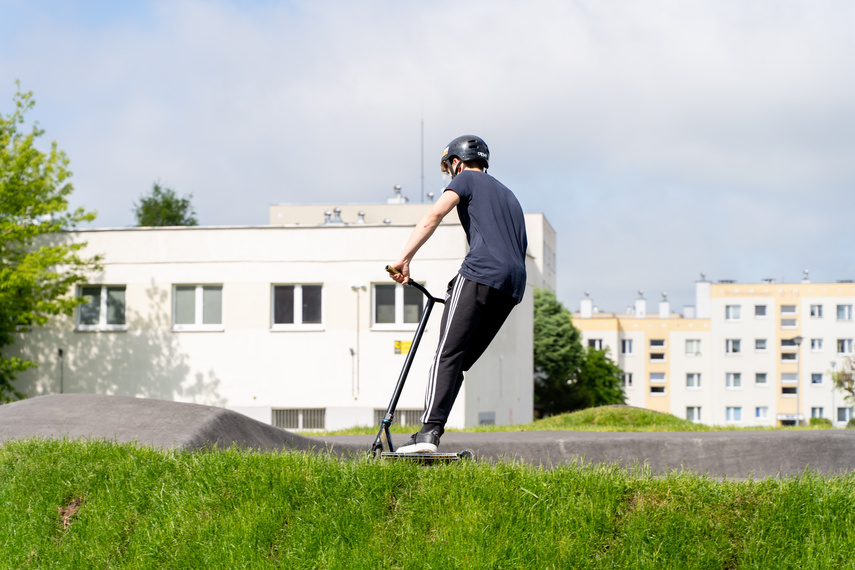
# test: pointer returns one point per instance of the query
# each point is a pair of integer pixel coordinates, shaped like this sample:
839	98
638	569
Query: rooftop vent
844	281
768	280
398	198
726	281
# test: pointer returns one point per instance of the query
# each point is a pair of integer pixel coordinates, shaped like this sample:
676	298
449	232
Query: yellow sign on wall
402	346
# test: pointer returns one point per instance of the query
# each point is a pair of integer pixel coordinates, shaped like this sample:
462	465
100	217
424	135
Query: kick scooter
383	442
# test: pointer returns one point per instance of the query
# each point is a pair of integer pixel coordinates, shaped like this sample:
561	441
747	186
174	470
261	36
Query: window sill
101	328
198	328
297	328
395	327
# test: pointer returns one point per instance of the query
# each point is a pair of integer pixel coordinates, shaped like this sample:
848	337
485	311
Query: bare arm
424	229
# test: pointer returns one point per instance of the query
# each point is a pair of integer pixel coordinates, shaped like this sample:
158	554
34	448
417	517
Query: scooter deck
429	457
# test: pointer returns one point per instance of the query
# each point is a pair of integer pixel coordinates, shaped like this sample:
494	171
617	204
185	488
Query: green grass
99	505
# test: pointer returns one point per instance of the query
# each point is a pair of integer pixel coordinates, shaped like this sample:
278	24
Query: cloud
661	138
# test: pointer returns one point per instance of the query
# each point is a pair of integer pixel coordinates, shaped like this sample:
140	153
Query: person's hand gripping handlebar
398	276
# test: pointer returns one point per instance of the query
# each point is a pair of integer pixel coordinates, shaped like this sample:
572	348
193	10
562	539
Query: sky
662	139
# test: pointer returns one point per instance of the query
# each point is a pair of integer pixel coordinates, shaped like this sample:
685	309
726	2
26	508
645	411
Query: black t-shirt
495	229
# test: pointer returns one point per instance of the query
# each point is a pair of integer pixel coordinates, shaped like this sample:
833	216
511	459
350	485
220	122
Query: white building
749	354
295	323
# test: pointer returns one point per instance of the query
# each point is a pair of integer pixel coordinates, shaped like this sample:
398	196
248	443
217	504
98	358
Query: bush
851	424
820	423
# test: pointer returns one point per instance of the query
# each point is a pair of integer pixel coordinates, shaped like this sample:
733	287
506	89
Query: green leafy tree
566	376
598	381
162	207
39	265
844	379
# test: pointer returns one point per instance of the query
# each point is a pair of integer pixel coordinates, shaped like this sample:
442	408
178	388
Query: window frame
198	310
733	380
103	310
696	385
731	413
399	324
733	313
298	308
695	413
697	352
733	346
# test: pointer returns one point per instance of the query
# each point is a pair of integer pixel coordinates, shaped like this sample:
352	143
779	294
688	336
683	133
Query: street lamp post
798	342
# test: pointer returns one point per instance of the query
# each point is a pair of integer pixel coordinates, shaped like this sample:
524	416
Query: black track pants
473	315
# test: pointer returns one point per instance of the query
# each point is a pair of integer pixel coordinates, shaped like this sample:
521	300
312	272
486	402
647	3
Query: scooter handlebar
392	271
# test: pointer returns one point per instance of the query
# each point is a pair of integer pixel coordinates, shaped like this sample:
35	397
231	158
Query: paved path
191	426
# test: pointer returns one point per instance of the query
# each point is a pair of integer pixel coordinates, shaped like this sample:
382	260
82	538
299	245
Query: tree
164	208
598	382
567	377
558	354
39	265
845	378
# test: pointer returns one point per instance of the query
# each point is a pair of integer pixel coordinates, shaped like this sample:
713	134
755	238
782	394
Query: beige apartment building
295	323
747	354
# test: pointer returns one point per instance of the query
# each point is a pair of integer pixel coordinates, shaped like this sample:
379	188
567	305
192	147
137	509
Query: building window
733	414
657	390
626	377
816	311
789	357
299	418
844	414
396	305
844	312
732	346
626	346
788	309
760	344
789	391
816	378
595	343
693	347
693	380
657	343
733	312
657	357
197	307
103	308
789	377
297	306
733	380
844	346
816	412
789	323
760	311
760	378
693	413
657	376
761	413
816	345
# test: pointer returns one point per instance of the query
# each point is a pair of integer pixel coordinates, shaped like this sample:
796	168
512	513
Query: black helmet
465	148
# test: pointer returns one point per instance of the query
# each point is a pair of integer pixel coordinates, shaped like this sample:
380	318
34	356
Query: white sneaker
421	443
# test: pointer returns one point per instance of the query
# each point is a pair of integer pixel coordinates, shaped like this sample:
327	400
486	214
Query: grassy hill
105	505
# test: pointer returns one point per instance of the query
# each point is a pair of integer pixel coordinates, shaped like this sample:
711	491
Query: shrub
820	423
